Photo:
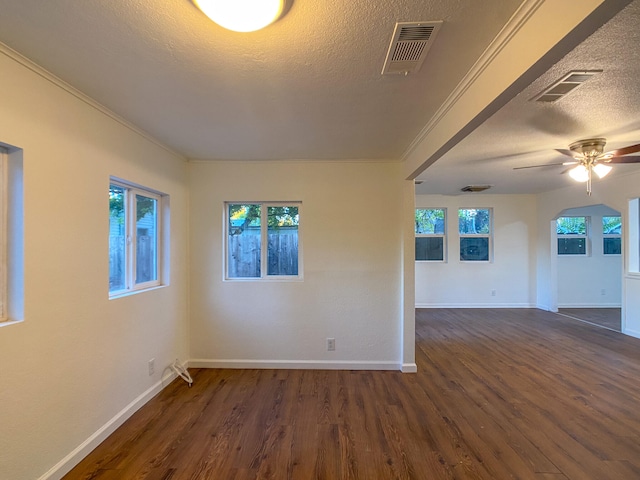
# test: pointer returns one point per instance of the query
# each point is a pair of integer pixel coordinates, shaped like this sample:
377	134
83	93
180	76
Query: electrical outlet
152	366
603	292
493	293
331	344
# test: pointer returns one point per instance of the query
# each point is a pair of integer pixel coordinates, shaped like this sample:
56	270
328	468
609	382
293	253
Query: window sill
6	323
135	292
265	279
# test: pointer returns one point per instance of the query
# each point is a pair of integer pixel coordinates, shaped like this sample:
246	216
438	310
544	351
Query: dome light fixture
601	169
580	173
584	170
242	15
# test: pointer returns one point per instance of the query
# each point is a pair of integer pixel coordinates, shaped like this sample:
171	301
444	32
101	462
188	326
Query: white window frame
264	239
488	236
586	236
131	190
4	266
443	235
611	235
633	238
11	236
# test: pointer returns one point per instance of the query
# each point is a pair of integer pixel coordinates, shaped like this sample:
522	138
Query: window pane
612	246
429	248
117	238
146	239
474	249
572	246
243	244
611	225
430	221
282	251
571	226
472	221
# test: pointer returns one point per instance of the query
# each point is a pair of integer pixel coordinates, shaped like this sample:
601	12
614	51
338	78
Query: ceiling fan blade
569	153
624	151
546	165
627	159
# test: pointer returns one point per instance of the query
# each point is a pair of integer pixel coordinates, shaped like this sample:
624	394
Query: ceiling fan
589	157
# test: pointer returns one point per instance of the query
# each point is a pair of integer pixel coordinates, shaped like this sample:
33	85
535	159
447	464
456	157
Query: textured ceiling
309	86
525	132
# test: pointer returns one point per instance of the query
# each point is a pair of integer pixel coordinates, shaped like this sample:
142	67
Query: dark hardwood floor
499	394
604	317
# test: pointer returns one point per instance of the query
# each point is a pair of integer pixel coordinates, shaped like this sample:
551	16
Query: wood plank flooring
604	317
499	394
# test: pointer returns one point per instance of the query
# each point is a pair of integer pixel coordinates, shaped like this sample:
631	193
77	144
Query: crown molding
47	75
511	28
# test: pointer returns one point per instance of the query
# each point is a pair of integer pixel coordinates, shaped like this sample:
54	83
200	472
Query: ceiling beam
537	36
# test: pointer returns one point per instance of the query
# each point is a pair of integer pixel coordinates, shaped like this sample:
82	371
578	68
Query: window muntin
474	227
134	238
612	235
572	235
248	236
430	234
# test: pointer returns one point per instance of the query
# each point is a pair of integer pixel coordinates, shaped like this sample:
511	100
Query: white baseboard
294	364
409	368
631	333
475	305
65	465
590	305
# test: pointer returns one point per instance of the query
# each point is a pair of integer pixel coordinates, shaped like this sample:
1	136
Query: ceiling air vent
475	188
567	84
409	46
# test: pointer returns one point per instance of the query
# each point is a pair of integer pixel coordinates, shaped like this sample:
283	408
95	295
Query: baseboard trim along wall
475	305
587	305
294	364
65	465
409	368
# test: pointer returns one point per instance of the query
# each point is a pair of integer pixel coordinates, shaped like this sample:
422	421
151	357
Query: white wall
613	191
592	280
352	237
78	359
511	273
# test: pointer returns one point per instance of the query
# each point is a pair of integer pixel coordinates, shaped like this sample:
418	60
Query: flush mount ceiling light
242	15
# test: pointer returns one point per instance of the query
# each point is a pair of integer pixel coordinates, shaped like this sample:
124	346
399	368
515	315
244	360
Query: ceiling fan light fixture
579	173
591	147
601	169
242	15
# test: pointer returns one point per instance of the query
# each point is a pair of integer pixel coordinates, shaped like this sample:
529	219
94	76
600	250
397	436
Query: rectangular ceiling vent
409	46
565	85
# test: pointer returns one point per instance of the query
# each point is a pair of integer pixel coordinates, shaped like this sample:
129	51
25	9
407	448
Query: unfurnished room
336	240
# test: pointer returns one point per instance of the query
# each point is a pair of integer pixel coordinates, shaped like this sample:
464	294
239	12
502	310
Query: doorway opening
589	265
